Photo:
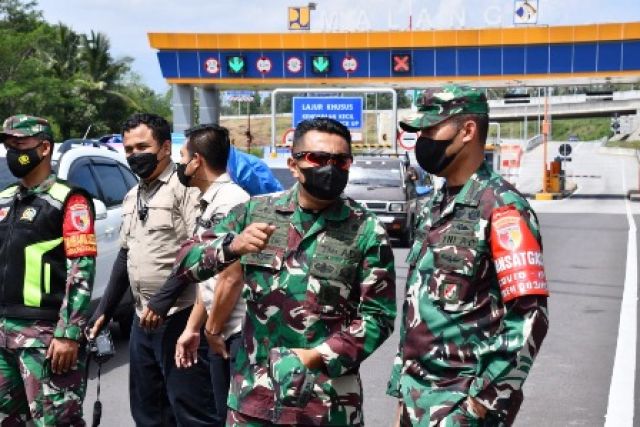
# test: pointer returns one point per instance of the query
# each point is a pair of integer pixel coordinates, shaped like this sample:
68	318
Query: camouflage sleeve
506	358
393	387
80	249
376	310
202	257
74	311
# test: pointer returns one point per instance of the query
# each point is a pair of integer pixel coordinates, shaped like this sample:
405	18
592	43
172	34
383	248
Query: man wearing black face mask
475	313
158	214
47	266
319	287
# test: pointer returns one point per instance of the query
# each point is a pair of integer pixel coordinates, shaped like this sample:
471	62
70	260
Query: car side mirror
101	209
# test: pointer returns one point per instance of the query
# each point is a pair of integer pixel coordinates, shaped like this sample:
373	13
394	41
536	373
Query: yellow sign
299	18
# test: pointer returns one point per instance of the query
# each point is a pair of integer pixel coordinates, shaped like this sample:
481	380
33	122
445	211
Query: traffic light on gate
236	64
320	64
401	63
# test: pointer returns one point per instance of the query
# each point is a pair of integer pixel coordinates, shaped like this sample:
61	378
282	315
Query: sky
127	22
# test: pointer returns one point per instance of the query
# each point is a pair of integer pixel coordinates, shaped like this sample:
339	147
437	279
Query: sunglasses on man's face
322	158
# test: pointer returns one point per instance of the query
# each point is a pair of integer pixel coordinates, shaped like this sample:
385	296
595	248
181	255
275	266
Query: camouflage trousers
29	390
237	419
454	415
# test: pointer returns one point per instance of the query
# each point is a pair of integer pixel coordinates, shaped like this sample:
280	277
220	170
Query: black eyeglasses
322	158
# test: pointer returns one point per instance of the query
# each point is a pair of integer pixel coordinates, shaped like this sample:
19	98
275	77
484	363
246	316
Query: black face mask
143	164
21	162
325	182
430	154
181	169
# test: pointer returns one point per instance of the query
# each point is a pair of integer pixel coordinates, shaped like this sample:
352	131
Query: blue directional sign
347	110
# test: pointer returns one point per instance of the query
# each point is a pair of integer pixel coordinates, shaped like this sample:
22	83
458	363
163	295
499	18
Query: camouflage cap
22	125
437	105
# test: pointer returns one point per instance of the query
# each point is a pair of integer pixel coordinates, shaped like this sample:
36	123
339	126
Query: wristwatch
227	253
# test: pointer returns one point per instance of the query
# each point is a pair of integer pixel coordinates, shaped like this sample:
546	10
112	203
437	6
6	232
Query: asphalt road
585	257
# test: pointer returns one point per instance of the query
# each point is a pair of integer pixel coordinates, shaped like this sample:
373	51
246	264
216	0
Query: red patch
450	292
4	212
516	255
77	229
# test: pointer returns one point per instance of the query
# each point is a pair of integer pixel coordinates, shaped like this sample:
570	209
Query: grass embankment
590	129
585	129
624	144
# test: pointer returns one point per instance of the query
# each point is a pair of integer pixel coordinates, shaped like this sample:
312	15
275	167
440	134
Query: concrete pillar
209	105
182	107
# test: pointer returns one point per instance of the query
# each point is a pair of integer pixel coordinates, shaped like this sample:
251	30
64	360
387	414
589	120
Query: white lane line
620	408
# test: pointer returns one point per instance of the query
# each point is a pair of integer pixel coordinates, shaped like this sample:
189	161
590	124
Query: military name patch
29	214
464	241
4	212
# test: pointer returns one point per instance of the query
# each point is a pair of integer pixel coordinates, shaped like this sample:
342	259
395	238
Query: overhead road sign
581	54
346	110
360	91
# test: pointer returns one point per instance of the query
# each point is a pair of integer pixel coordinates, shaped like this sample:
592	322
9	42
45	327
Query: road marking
620	408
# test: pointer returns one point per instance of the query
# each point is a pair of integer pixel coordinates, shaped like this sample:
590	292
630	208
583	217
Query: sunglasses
322	158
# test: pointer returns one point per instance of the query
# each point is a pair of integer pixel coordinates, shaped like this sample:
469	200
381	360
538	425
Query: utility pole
248	134
545	135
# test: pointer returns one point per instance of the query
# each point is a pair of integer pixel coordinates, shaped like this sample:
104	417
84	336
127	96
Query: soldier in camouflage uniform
47	265
475	312
320	289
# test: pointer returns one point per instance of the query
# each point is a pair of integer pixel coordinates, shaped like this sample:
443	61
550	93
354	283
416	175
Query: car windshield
375	175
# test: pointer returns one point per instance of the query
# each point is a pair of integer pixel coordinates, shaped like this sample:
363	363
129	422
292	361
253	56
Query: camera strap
97	405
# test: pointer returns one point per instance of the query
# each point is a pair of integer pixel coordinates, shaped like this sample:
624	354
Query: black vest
33	270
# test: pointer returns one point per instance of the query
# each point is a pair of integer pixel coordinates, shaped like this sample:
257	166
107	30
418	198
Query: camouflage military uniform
325	281
47	265
28	388
458	338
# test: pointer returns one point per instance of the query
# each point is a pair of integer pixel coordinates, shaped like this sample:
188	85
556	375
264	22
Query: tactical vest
335	259
33	269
